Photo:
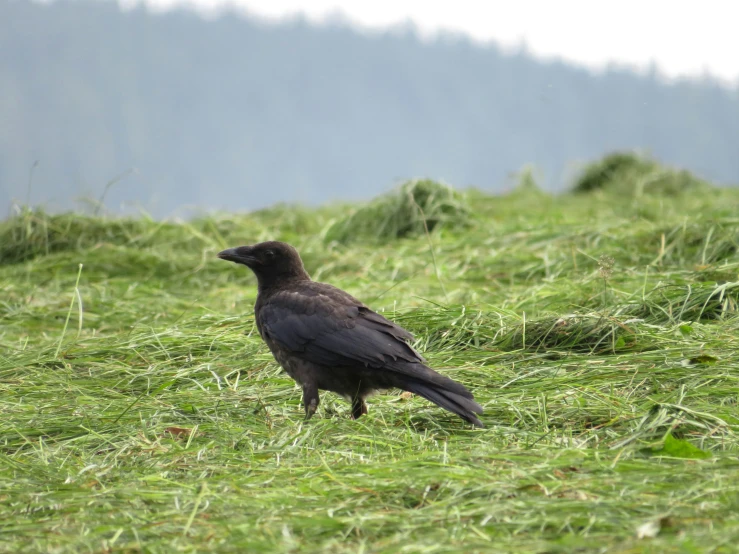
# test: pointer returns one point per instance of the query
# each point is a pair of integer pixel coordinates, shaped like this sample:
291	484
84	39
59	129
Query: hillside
140	411
235	114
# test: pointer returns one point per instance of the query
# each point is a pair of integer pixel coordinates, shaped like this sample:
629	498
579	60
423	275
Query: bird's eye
270	253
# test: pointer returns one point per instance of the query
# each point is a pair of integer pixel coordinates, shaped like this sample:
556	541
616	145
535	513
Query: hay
629	172
414	208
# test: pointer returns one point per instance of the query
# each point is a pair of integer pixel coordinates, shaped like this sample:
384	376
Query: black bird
326	339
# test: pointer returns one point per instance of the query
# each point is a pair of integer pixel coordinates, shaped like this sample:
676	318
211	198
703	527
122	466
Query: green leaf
679	448
686	329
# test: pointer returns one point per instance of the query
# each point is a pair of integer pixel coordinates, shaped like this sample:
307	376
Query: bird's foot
310	408
310	400
359	408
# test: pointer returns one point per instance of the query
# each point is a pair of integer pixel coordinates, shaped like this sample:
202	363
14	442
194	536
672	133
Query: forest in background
234	113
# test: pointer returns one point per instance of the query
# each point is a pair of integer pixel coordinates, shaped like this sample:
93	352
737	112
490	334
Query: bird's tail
459	401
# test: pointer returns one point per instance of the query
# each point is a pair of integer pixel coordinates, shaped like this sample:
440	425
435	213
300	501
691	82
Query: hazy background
238	109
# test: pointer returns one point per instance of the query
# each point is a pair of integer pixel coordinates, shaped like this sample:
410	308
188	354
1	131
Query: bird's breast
288	362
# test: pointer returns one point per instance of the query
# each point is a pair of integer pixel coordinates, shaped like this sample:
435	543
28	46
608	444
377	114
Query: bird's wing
324	325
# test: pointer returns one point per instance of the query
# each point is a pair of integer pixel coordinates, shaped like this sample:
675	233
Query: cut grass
414	208
634	174
159	421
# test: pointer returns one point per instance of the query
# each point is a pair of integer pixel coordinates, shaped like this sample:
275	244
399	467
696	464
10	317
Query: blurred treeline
233	113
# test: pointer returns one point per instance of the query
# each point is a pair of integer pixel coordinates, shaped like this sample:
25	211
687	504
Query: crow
326	339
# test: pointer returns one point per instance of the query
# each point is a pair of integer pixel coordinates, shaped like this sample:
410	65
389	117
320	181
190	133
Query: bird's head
272	262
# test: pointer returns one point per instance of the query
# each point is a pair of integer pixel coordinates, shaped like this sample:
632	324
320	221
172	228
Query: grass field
140	411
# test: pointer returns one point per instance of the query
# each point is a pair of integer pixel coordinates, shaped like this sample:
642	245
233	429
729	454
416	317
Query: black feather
466	408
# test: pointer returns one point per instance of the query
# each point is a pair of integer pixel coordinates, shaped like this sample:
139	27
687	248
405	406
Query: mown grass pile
140	411
633	173
416	207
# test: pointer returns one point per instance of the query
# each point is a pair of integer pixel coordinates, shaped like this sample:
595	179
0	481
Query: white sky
684	37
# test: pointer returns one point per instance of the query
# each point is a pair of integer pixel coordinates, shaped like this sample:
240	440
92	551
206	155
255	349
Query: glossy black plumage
326	339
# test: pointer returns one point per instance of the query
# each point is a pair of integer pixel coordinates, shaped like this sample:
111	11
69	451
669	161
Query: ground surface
599	333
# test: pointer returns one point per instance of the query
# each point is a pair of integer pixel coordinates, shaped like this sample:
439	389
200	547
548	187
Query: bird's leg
310	399
359	407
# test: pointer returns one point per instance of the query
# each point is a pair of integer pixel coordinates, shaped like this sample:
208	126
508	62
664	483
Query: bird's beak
236	255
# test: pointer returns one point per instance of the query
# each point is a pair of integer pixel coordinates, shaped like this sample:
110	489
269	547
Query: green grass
632	173
140	412
416	207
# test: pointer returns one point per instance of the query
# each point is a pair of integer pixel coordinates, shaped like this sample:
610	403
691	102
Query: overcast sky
682	37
